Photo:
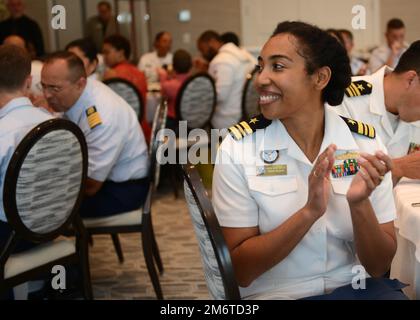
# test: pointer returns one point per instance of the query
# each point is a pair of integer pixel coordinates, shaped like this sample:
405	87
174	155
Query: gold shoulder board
246	128
359	88
360	128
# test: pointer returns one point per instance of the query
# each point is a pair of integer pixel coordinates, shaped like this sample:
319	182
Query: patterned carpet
183	277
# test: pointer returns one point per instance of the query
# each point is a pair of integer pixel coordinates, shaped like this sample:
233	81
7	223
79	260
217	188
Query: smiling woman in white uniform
298	200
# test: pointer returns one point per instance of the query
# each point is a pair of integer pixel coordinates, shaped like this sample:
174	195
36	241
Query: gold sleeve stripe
240	130
360	129
350	92
356	90
246	127
371	131
236	133
366	133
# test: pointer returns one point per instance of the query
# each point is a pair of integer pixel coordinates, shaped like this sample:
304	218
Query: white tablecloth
406	264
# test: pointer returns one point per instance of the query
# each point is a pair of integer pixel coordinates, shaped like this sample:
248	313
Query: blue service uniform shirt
17	118
116	145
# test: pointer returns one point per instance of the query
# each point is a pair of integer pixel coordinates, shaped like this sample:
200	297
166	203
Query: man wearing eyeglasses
118	157
389	100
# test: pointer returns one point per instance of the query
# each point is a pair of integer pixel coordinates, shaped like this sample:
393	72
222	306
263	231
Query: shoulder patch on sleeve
246	128
360	128
93	117
359	88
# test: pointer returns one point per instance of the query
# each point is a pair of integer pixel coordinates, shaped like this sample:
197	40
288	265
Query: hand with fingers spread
319	182
372	171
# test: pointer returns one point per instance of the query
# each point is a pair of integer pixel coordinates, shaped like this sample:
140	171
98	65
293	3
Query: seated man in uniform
17	117
388	54
118	157
388	100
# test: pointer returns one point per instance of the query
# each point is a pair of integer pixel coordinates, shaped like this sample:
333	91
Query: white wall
253	20
74	23
38	10
259	18
218	15
407	10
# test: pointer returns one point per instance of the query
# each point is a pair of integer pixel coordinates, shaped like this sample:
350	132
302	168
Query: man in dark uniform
20	24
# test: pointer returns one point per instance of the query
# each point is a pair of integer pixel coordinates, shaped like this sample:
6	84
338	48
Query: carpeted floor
183	277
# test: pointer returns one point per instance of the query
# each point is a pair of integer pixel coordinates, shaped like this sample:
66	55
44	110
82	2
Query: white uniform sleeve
104	147
232	202
382	198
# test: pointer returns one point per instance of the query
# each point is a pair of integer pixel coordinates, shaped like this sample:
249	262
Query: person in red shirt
117	51
171	83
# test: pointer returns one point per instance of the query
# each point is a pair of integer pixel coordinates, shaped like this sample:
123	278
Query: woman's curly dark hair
319	49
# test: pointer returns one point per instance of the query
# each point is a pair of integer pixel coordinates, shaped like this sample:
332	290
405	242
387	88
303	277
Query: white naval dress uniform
370	109
324	258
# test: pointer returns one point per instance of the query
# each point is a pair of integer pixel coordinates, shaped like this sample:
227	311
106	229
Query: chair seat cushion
38	256
122	219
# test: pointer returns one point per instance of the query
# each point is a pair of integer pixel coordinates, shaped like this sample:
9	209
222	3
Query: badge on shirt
414	147
345	164
270	156
272	170
93	117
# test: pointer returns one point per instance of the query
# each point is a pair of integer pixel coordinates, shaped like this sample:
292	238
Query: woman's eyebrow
275	57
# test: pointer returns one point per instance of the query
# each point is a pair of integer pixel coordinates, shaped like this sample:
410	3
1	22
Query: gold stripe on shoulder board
358	88
246	128
361	128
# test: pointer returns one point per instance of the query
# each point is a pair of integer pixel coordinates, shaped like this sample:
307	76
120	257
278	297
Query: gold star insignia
360	87
254	121
352	122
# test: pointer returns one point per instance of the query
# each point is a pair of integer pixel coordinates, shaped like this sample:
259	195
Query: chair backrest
157	139
250	98
45	179
129	93
196	101
215	255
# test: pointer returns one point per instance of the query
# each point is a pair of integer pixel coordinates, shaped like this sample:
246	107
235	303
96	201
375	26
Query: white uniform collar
336	132
377	98
377	101
76	111
15	103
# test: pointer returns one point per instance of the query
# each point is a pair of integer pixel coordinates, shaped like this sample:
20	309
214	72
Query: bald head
63	80
72	64
15	40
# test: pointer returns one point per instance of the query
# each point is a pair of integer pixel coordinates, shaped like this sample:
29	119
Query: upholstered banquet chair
42	193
